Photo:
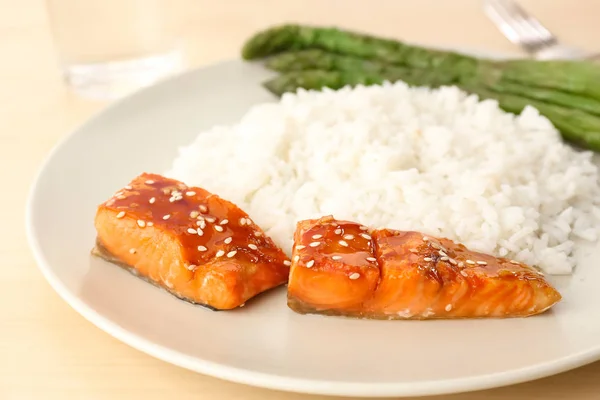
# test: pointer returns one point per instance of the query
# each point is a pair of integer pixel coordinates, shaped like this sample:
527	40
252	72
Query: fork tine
518	26
533	23
513	24
498	14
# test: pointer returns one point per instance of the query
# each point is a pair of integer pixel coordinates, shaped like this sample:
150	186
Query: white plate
266	344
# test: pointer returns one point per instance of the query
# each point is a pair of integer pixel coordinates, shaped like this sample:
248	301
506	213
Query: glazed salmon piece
418	277
333	267
194	244
426	277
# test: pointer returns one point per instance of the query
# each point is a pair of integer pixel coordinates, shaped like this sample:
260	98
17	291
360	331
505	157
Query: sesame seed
317	236
218	228
202	248
365	236
231	253
461	264
248	221
338	231
348	237
354	275
141	223
191	267
463	273
152	200
310	264
252	246
149	182
448	307
194	214
470	262
287	263
514	262
203	208
201	224
435	245
121	214
296	258
441	253
128	187
336	257
166	217
242	221
343	243
453	261
228	240
363	228
210	220
224	222
314	244
200	232
413	250
190	193
372	259
132	251
120	197
150	223
220	253
257	233
425	238
481	263
300	247
427	259
445	258
192	231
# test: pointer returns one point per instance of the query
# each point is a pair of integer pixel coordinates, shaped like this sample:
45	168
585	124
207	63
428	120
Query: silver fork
526	31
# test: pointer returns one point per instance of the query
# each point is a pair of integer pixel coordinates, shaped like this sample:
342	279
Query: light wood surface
47	350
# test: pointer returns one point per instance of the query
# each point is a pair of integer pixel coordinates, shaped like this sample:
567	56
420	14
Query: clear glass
109	48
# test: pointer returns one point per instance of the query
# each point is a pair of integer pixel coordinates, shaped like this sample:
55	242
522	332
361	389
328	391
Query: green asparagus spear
315	59
318	79
580	77
318	59
567	100
335	79
275	40
294	37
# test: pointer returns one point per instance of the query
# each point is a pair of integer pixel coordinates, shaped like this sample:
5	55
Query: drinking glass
109	48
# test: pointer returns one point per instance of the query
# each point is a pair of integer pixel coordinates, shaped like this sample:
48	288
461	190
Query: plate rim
246	376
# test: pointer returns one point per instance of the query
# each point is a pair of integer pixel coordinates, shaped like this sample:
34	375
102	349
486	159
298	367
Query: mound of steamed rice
437	161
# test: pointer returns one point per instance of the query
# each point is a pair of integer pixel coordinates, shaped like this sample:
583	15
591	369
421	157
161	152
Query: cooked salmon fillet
196	245
343	268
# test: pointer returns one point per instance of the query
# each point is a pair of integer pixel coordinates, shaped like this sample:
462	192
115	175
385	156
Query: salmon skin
345	269
196	245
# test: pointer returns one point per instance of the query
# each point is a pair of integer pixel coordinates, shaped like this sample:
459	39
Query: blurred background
49	51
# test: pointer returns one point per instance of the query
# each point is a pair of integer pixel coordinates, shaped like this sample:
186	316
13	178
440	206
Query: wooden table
47	350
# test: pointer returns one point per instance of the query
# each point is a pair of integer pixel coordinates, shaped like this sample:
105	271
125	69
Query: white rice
436	161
